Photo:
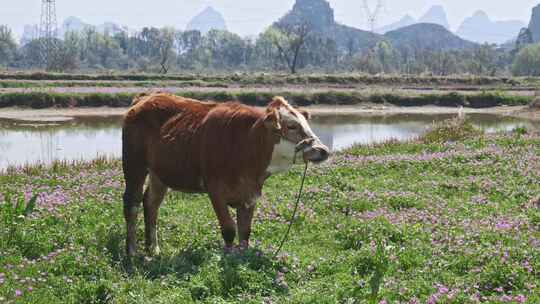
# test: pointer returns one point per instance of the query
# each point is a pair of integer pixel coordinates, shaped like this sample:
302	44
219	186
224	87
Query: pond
23	142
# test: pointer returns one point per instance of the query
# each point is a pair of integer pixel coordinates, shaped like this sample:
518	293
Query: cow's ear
304	113
271	121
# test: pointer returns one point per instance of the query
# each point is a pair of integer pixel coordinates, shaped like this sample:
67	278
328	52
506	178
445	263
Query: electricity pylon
48	32
372	15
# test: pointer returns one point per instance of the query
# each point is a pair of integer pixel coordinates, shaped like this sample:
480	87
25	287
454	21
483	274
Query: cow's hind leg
133	197
244	218
153	196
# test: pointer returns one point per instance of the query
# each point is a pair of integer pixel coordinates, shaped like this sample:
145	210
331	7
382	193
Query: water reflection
81	139
87	138
340	132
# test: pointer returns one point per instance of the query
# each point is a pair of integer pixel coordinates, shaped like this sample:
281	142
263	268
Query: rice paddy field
45	90
434	220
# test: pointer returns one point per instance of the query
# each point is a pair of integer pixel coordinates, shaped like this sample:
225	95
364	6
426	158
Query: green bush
39	100
527	62
451	130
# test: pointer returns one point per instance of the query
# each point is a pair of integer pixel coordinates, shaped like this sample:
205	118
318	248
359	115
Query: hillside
320	16
207	20
403	22
427	36
437	15
72	24
30	32
534	25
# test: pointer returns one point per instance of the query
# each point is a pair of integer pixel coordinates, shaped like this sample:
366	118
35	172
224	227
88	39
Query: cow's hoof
229	249
244	245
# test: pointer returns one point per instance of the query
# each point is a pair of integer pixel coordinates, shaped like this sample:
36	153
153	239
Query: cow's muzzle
313	150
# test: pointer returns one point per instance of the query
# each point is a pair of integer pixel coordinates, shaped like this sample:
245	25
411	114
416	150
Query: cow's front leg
227	224
244	218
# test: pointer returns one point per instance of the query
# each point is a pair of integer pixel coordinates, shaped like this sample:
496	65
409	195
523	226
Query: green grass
455	222
63	100
283	79
39	100
108	84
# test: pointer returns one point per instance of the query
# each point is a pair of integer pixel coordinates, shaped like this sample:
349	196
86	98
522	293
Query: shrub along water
62	100
39	100
282	79
451	130
27	84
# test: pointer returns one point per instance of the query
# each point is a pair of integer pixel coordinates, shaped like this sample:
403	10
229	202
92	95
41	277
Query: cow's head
291	125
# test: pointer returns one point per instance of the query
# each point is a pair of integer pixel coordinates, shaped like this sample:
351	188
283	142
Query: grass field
415	222
44	90
276	79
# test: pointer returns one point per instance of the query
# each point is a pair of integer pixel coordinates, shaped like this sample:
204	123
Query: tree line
292	48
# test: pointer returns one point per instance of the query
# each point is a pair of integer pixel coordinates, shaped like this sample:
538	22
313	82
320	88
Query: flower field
415	222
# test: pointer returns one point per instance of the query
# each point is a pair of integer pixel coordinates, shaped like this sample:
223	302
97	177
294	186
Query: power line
372	15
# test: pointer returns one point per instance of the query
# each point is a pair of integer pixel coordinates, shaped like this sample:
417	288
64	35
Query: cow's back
160	132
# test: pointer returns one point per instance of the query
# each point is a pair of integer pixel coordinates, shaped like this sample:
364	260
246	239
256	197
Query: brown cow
227	150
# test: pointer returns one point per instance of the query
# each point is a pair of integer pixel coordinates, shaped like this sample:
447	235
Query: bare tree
8	47
166	44
289	41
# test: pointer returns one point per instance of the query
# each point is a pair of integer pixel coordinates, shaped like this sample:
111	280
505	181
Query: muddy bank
527	113
54	114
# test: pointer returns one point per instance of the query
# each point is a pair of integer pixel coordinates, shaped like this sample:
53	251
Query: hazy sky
247	17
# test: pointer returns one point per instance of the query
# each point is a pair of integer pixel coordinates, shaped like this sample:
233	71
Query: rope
291	222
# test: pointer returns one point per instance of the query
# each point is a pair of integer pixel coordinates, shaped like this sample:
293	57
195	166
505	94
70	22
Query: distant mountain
30	33
523	39
403	22
437	15
480	28
530	34
427	36
534	25
320	16
111	28
73	24
207	20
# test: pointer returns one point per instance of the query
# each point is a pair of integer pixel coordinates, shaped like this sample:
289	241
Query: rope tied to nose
299	147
